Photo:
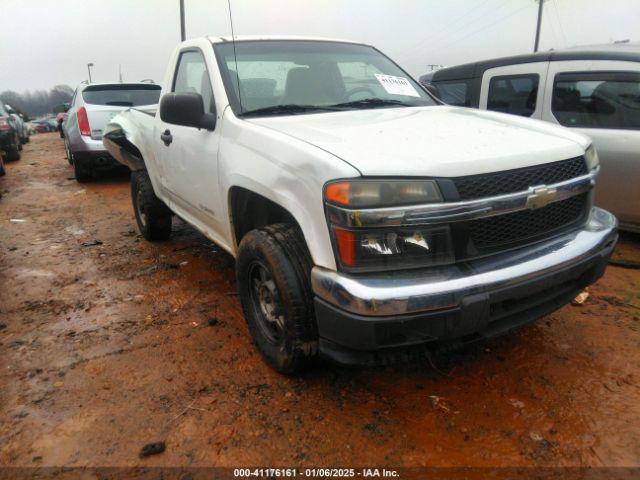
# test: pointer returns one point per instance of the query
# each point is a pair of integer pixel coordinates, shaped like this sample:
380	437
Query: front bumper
366	319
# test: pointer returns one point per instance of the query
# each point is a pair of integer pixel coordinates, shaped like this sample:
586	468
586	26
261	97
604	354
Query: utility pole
182	29
540	4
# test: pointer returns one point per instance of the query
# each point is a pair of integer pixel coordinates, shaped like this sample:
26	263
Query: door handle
166	137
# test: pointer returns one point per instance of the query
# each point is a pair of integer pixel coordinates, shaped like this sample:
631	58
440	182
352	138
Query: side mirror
186	109
66	106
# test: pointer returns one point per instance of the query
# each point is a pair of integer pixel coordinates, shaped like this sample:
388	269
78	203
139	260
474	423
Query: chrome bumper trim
409	291
435	213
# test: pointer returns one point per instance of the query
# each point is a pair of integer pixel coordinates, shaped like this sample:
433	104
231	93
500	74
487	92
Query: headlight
382	193
393	248
591	157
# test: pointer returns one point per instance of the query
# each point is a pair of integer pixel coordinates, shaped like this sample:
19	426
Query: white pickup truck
367	219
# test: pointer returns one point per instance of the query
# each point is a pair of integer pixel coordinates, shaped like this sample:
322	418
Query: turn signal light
346	243
83	122
338	193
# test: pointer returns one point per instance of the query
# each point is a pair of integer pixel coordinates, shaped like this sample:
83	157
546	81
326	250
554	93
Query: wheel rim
266	302
142	214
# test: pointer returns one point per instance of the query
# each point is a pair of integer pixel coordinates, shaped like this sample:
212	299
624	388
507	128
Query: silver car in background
92	107
23	130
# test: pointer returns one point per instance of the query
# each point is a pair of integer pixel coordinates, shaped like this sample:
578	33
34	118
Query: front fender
287	171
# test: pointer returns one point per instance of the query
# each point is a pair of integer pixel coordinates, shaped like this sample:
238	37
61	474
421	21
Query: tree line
38	102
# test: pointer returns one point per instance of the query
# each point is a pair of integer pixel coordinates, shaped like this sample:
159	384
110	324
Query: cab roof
251	38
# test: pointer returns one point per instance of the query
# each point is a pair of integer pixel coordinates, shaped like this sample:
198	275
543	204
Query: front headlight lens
382	193
591	157
393	248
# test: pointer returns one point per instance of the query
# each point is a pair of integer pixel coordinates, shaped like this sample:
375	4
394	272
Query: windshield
123	95
284	77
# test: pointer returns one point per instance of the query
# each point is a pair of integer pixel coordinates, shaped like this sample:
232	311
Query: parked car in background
367	219
23	130
10	144
593	90
92	107
42	126
61	116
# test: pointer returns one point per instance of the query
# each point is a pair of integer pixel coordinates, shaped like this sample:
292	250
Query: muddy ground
108	342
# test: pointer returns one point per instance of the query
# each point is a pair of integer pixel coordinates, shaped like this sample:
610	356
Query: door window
597	99
454	92
516	94
192	77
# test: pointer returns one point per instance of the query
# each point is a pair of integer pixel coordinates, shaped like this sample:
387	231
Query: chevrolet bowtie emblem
541	197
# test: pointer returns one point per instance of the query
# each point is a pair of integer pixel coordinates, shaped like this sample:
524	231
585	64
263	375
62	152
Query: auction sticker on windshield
397	85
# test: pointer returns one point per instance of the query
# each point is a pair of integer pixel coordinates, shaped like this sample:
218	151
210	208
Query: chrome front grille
510	181
524	225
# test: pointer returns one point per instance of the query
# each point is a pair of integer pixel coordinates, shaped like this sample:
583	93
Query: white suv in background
92	107
594	90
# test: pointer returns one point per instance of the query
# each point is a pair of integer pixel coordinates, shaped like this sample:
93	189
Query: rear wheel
273	270
152	215
13	153
81	171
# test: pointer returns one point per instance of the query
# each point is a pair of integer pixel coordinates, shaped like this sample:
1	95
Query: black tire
152	215
2	170
278	307
27	139
81	171
13	153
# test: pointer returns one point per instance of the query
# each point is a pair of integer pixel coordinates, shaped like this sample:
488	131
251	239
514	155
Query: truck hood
438	141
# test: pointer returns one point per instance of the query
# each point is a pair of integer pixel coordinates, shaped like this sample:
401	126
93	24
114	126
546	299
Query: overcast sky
48	42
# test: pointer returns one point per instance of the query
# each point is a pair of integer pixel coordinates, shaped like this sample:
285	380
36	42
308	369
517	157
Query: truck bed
127	137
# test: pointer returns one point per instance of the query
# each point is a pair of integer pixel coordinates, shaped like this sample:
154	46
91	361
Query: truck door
190	159
516	89
601	98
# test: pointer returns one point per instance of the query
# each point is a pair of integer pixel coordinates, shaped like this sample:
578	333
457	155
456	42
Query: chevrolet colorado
367	219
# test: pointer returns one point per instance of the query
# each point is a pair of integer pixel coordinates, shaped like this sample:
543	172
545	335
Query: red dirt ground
108	347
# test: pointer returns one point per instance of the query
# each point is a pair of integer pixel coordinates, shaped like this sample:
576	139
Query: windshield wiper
289	108
372	103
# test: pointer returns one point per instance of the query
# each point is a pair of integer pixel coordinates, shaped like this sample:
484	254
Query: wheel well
249	210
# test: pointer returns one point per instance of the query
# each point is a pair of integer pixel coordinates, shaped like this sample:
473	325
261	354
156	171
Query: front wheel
273	270
152	215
